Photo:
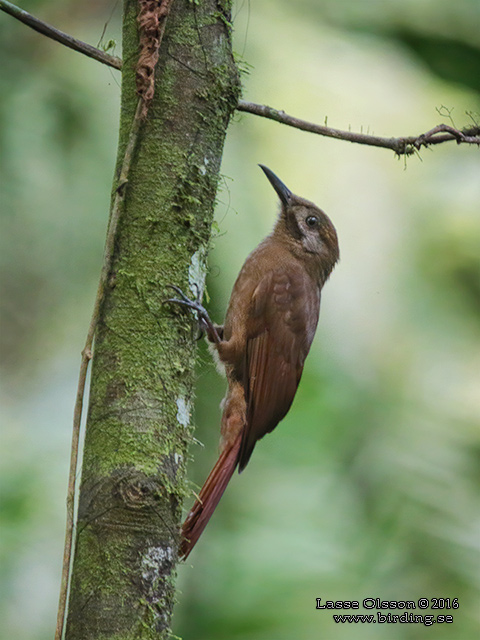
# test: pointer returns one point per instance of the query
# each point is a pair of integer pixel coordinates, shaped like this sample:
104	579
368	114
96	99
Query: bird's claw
185	301
205	324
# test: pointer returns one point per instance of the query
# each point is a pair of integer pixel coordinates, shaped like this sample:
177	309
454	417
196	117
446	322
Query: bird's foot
203	318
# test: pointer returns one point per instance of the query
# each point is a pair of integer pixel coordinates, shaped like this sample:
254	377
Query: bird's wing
284	311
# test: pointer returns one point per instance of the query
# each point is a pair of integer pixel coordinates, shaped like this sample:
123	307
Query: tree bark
138	427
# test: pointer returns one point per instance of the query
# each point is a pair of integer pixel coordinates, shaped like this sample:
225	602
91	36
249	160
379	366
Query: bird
269	326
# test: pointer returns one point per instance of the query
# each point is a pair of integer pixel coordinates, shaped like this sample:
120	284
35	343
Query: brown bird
269	327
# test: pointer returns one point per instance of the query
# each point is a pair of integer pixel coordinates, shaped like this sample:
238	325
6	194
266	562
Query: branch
59	36
402	146
406	145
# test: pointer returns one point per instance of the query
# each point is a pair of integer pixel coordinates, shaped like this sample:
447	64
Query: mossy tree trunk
138	430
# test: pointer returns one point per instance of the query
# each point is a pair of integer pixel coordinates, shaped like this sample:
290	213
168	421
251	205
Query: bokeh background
370	486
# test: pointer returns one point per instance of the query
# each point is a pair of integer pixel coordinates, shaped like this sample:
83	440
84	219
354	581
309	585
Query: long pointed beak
283	192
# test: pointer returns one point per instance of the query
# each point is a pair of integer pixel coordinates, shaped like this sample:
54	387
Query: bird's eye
311	221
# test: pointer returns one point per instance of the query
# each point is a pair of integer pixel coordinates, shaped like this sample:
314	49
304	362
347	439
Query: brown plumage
269	327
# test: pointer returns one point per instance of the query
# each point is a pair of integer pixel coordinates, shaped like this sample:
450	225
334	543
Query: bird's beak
283	192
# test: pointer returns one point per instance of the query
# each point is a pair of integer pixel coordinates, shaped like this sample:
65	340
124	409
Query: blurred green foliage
369	487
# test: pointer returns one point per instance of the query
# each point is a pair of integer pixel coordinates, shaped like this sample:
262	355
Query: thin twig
59	36
404	145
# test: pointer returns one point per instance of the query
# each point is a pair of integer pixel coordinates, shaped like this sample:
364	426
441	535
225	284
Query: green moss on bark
138	427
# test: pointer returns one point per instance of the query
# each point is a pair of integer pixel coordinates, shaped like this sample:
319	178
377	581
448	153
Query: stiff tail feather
209	497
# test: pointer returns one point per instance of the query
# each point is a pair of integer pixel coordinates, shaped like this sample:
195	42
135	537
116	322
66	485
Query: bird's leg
214	333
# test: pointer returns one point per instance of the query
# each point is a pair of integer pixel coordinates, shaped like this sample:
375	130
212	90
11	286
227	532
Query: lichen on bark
138	430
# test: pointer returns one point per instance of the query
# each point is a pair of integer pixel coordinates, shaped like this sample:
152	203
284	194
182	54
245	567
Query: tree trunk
133	474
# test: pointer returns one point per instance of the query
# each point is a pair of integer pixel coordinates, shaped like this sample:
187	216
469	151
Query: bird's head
307	229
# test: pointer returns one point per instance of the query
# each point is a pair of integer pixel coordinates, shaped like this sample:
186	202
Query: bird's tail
209	497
